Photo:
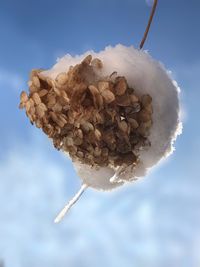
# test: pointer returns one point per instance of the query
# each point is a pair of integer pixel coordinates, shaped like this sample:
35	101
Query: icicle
70	203
115	178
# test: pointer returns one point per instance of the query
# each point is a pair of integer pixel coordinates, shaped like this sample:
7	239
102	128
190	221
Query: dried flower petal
123	100
97	134
97	63
23	97
108	96
62	77
36	98
87	59
51	101
36	81
40	111
134	124
103	85
43	92
134	98
146	100
123	126
121	86
143	116
87	126
97	98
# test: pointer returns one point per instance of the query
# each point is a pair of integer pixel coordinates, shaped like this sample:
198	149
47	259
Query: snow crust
145	75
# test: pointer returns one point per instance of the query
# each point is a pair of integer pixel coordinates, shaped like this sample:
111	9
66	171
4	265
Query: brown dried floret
23	99
61	79
97	63
121	86
123	101
43	92
146	100
36	98
108	96
36	81
97	121
97	97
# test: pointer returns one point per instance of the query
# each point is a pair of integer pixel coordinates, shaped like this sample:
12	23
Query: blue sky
153	222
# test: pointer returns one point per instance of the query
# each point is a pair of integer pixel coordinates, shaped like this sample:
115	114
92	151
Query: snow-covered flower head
115	113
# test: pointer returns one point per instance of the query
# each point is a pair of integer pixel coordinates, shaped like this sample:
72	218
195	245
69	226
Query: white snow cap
145	75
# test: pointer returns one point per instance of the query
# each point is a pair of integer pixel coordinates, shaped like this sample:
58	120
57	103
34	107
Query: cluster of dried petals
97	121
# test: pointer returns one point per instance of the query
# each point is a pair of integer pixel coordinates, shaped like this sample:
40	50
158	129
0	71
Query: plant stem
149	23
70	203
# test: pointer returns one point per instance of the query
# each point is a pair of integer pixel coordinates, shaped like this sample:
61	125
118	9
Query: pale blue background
152	223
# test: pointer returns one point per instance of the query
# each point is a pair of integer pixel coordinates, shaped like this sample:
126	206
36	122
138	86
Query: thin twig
70	204
149	23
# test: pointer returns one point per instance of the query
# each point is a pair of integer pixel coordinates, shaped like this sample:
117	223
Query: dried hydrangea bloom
115	113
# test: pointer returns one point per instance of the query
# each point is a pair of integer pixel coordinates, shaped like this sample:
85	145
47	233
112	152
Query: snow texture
145	75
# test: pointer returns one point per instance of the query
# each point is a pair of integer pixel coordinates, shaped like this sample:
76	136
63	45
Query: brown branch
149	23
